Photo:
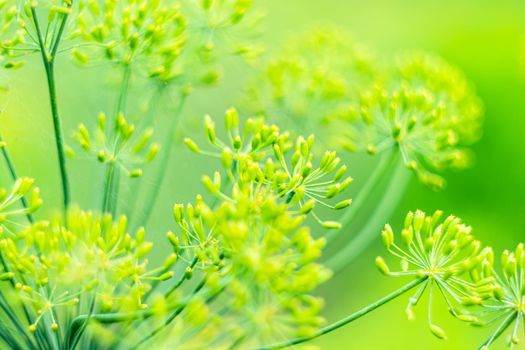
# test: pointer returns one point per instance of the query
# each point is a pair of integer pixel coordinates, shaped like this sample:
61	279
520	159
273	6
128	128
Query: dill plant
246	257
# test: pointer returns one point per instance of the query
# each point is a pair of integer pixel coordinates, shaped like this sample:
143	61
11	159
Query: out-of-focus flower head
313	80
131	150
426	109
171	42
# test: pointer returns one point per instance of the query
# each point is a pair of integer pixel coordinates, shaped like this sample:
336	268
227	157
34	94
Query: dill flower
93	270
168	42
426	109
506	307
261	155
450	87
19	38
10	204
313	80
420	105
131	150
269	260
124	32
445	256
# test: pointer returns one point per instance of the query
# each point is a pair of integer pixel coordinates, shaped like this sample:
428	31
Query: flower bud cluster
264	159
130	150
167	41
11	207
312	82
446	257
18	37
267	256
417	103
56	269
506	307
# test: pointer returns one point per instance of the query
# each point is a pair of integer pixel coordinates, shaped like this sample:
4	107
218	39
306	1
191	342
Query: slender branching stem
48	59
163	164
502	328
108	184
14	176
112	177
176	313
386	205
344	321
381	170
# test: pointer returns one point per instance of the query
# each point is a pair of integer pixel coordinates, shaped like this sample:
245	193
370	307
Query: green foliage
244	263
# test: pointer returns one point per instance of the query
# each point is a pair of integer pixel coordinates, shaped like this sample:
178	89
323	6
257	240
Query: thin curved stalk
112	177
372	182
176	313
48	59
344	321
14	176
163	166
383	210
506	324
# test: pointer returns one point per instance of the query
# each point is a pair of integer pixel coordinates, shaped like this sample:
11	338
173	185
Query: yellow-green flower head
149	34
11	208
269	259
450	88
426	109
224	27
18	37
312	81
169	41
130	150
445	256
506	309
53	268
264	157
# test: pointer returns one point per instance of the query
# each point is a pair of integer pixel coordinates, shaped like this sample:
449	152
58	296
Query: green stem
112	178
163	166
108	184
12	171
344	321
155	103
506	324
384	209
174	315
48	60
123	95
371	184
25	309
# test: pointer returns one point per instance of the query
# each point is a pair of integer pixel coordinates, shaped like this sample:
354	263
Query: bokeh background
485	38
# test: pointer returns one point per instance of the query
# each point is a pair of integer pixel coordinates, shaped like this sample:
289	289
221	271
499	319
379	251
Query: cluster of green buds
425	108
268	259
91	267
150	33
224	27
18	31
130	150
446	259
167	41
450	88
506	308
419	105
411	120
263	158
312	81
11	208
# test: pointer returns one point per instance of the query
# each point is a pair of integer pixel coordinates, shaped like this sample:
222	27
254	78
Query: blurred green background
484	38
